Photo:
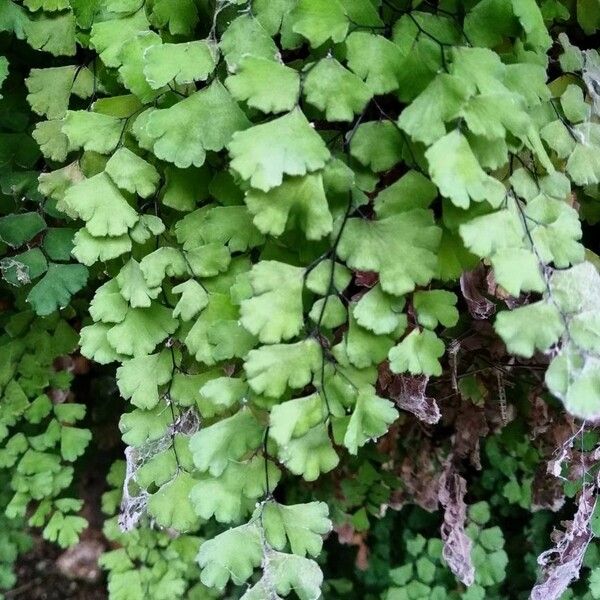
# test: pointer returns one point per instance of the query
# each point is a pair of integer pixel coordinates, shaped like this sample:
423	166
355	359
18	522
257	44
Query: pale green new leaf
88	249
287	573
230	225
574	379
272	369
287	145
94	344
131	70
271	14
418	354
492	115
133	285
108	304
53	143
64	529
274	312
108	37
202	339
73	442
245	36
370	419
265	84
487	234
573	104
208	260
328	312
518	270
141	426
220	393
362	347
412	190
50	89
556	230
163	262
529	14
327	272
424	119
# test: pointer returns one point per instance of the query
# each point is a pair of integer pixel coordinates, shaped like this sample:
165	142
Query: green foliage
280	221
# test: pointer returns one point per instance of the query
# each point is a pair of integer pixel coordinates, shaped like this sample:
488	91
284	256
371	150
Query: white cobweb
134	500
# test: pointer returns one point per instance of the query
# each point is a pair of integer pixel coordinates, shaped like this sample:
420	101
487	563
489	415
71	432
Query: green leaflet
377	145
287	145
233	554
318	22
292	364
181	63
371	418
168	132
288	573
56	287
227	440
50	89
374	246
246	36
456	172
265	84
375	59
139	378
298	200
233	494
92	131
335	91
295	418
418	353
274	312
132	173
310	455
283	211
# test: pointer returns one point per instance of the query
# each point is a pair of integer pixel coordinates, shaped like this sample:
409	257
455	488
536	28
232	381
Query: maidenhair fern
274	206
